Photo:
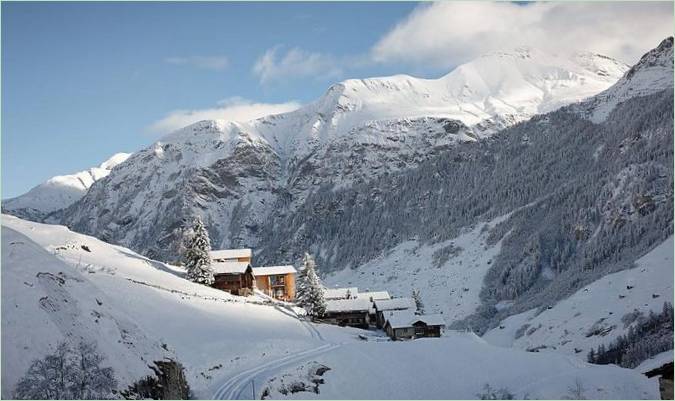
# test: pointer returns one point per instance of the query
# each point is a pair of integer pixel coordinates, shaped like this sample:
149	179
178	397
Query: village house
388	305
276	281
405	324
233	272
373	296
234	277
348	312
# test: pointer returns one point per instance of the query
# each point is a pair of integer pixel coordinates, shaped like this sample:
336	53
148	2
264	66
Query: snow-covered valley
62	285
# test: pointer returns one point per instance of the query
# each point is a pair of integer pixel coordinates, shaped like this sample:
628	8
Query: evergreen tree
301	281
418	302
196	259
314	300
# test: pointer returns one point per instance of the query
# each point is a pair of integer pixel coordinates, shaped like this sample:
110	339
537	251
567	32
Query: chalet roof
348	305
229	267
374	295
340	293
407	318
394	304
270	270
231	253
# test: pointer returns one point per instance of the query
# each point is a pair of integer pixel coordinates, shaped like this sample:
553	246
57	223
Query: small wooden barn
388	305
405	324
348	312
276	281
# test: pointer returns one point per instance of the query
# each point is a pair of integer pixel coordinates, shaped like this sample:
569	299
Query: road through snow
239	387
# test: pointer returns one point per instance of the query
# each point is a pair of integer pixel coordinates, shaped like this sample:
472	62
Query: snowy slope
456	366
652	73
565	326
450	282
60	191
58	284
141	305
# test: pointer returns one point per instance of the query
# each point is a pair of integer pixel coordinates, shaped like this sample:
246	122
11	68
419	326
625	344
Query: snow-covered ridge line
60	191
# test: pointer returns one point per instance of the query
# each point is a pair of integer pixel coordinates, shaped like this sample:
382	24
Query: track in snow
239	386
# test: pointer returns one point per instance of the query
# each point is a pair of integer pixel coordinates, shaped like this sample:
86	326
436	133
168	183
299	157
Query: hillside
53	289
59	285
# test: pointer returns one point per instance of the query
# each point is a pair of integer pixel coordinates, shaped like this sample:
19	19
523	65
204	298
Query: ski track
239	385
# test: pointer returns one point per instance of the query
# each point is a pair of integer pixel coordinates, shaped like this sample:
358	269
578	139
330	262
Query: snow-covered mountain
578	200
652	73
235	174
59	192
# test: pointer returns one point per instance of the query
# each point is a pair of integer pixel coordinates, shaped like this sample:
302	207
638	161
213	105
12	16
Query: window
277	279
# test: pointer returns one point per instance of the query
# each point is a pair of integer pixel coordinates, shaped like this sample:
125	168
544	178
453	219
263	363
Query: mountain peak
653	73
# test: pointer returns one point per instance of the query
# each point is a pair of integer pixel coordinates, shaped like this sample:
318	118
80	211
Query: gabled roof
395	304
229	267
374	295
340	293
348	305
407	318
231	253
270	270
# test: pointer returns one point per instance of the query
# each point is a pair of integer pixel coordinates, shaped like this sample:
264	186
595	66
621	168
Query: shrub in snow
196	259
68	373
168	383
490	393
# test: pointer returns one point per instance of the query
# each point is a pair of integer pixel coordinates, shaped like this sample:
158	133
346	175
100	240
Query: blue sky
82	81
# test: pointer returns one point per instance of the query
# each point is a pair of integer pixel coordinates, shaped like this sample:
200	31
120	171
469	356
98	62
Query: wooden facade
348	318
235	283
348	312
416	330
279	286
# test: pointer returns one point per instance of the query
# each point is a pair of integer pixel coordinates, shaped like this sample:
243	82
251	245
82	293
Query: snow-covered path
242	385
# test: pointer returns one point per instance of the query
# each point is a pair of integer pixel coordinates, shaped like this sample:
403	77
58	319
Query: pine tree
196	259
314	300
301	281
418	302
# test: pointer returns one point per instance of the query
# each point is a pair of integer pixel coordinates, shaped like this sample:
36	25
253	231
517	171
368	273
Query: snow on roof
374	295
340	293
394	304
270	270
231	253
348	305
407	318
229	267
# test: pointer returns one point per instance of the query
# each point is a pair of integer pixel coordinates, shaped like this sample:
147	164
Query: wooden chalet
348	312
234	273
276	281
405	324
388	305
234	277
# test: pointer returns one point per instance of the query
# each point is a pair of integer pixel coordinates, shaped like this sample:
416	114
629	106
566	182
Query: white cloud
295	63
447	33
206	62
233	109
